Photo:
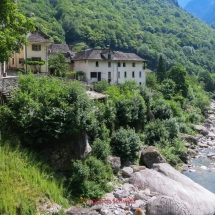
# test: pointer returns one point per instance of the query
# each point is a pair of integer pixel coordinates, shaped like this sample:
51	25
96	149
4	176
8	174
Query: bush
151	80
89	179
101	149
125	144
161	109
157	130
101	86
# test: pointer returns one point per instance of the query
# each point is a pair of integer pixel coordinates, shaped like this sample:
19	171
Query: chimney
107	46
70	47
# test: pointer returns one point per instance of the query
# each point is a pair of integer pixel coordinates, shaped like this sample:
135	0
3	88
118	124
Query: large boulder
176	188
191	139
115	163
151	156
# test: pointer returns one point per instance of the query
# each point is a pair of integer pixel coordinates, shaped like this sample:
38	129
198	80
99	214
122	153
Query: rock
211	135
192	153
49	207
202	145
115	163
211	154
151	156
105	211
201	129
192	170
119	194
191	139
80	211
210	143
203	167
141	195
82	147
187	145
127	171
137	168
129	187
176	188
166	205
138	204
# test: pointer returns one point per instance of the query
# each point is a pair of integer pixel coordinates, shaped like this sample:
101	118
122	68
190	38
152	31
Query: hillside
149	28
202	9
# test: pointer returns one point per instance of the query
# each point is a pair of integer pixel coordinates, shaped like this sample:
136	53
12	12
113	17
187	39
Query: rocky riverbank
157	188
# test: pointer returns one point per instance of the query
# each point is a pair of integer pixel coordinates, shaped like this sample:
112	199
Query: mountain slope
204	10
147	27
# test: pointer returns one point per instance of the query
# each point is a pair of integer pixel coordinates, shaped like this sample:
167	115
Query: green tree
58	64
161	70
209	82
168	88
13	29
179	76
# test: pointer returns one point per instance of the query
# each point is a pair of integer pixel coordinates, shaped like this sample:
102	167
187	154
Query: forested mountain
147	27
183	3
202	9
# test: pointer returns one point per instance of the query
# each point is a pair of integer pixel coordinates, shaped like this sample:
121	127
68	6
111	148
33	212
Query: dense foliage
13	29
149	28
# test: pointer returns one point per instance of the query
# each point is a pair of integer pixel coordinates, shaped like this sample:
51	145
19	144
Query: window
13	61
118	74
109	64
109	75
109	56
140	74
93	75
97	64
21	60
133	64
133	75
125	74
140	83
119	64
36	47
124	64
36	58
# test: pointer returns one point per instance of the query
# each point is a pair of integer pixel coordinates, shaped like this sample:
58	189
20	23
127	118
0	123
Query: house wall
90	66
14	60
42	54
14	64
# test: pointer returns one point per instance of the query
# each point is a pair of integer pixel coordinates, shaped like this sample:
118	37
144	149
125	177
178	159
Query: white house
113	66
36	50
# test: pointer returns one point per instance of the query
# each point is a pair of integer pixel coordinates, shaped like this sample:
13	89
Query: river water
199	173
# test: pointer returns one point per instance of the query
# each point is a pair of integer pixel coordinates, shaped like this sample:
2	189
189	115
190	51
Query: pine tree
161	70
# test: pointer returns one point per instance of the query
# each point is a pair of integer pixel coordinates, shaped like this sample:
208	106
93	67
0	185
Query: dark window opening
36	47
124	64
109	64
93	75
133	75
133	64
119	64
125	74
97	64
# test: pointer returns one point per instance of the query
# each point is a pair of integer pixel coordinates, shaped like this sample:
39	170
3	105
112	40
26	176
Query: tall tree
13	29
161	70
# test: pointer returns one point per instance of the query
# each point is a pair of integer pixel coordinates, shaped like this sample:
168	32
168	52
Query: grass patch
25	182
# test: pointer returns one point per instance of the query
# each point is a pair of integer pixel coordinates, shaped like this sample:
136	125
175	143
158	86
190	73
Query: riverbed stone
115	163
151	156
127	171
137	168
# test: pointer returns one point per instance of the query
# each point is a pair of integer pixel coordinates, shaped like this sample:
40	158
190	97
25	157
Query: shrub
101	86
161	109
157	130
101	149
125	144
89	179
